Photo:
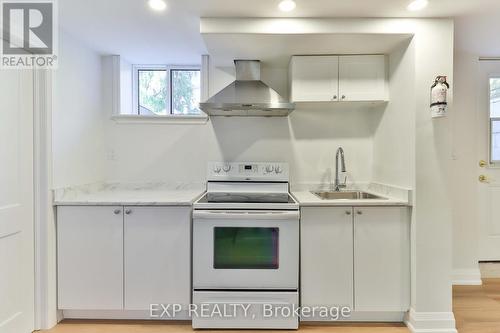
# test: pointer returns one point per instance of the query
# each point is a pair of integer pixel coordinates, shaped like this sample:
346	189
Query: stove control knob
226	167
278	169
269	168
217	169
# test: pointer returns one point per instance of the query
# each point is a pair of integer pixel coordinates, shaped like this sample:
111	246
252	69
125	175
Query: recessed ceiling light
158	5
287	5
417	5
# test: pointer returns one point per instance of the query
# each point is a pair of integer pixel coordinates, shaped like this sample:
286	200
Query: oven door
256	250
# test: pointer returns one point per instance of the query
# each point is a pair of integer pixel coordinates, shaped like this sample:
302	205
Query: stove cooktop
246	201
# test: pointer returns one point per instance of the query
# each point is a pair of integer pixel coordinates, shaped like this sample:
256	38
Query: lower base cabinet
123	258
381	259
326	258
157	257
357	257
90	258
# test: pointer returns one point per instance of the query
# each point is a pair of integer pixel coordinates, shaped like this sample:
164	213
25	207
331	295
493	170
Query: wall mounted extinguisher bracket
439	101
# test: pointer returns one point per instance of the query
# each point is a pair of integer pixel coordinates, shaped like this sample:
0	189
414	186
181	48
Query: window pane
152	92
495	98
186	91
246	248
495	140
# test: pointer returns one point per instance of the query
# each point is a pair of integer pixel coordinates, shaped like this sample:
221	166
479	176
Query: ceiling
275	50
131	29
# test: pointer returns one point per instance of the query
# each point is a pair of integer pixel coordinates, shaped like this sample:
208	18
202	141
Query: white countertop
393	196
111	194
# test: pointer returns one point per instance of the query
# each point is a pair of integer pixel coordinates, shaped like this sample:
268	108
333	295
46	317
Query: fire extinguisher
439	91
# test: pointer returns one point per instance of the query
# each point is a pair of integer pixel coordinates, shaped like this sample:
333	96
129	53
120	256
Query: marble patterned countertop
133	194
393	196
185	194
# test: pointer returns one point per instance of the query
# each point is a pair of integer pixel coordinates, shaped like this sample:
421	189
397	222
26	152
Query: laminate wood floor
79	326
476	309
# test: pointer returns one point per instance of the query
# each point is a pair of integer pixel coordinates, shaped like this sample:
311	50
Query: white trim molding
467	277
167	119
430	322
46	315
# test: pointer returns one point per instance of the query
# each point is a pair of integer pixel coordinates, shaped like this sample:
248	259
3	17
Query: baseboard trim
467	277
119	315
430	322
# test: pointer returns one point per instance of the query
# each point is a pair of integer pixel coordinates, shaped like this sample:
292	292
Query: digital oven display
248	167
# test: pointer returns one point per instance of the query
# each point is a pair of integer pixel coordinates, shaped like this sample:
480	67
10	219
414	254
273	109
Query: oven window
246	248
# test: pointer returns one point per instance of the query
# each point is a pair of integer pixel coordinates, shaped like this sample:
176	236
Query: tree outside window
164	91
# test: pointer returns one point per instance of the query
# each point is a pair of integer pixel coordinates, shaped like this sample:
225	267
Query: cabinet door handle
343	96
334	97
117	211
347	212
128	211
359	212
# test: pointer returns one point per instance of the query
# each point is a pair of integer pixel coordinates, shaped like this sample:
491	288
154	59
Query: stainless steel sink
346	195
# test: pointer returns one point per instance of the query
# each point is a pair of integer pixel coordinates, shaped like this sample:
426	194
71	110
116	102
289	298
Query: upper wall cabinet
314	78
360	78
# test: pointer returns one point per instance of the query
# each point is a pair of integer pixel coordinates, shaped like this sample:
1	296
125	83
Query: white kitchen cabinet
90	257
381	259
357	257
359	78
362	78
123	258
157	256
314	78
326	257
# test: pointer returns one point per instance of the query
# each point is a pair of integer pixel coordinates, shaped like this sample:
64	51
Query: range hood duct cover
247	96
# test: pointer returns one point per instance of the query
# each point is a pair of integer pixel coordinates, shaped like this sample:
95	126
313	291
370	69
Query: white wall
432	211
394	138
307	140
77	118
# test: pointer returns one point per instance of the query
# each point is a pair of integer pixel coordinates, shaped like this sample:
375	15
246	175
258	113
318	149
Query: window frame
168	97
492	163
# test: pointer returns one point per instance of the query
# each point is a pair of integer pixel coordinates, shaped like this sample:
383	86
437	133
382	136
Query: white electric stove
246	246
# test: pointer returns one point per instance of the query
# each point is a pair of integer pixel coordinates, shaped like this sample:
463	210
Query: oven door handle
245	215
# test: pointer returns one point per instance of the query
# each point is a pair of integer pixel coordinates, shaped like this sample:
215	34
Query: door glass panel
495	120
495	140
246	248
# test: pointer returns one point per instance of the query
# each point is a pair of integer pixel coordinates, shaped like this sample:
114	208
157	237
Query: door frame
484	139
46	314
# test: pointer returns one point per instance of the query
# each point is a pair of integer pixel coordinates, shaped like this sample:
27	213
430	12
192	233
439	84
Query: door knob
347	212
359	212
343	96
483	163
128	211
483	179
117	211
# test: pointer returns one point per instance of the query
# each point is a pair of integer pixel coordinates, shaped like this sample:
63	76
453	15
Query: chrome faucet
338	185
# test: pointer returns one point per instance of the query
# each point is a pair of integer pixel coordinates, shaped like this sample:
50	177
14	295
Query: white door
488	175
157	253
326	257
362	78
381	259
314	78
90	258
16	202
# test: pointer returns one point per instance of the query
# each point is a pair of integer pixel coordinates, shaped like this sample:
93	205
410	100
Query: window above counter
156	94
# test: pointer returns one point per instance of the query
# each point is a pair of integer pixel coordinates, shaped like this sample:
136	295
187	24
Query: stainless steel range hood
247	96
